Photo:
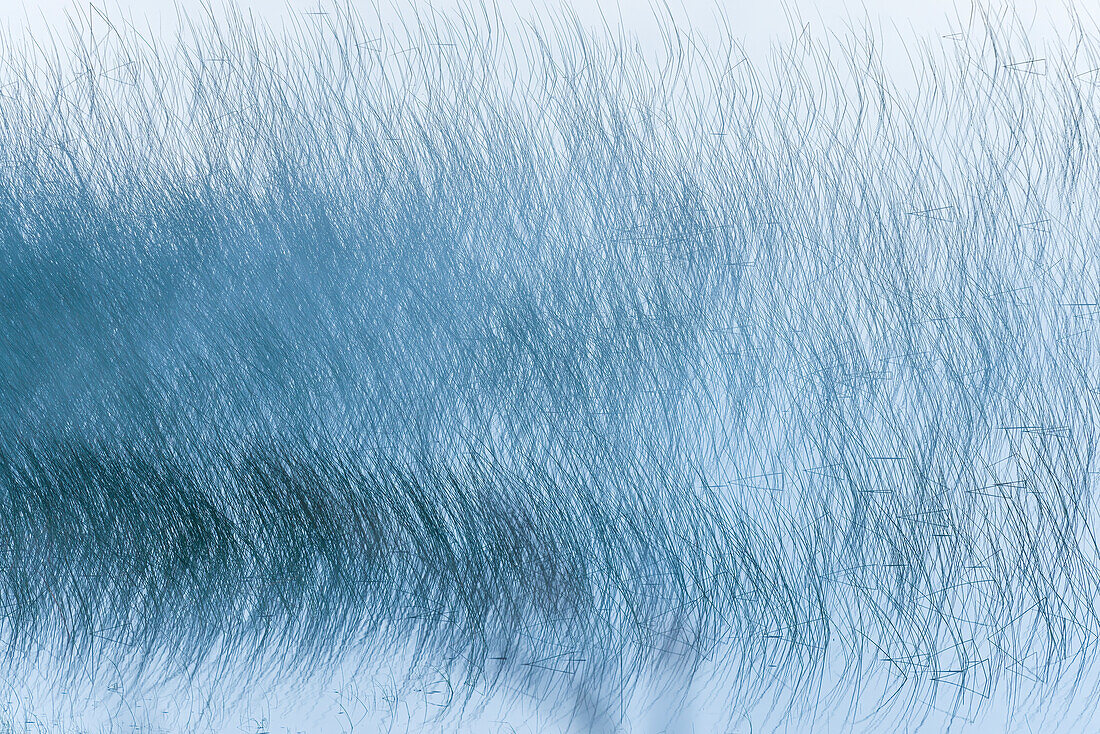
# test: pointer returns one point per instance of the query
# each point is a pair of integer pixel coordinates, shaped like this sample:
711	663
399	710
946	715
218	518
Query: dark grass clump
556	362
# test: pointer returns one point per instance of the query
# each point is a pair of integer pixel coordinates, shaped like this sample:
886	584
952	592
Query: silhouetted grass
527	347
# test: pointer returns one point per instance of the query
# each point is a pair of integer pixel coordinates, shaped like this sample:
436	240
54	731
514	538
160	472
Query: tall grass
552	354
